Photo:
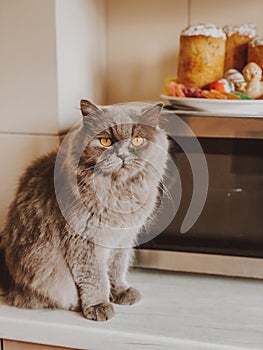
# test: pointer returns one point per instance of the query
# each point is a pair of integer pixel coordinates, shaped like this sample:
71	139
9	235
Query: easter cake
238	38
201	55
255	51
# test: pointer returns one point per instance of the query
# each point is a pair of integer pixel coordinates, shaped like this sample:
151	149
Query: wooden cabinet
15	345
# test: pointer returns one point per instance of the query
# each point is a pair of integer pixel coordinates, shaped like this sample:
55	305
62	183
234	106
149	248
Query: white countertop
178	311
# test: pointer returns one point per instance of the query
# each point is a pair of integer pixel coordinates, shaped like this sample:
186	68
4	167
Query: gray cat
77	212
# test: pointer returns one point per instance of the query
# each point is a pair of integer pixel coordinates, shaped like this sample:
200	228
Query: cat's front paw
100	312
127	297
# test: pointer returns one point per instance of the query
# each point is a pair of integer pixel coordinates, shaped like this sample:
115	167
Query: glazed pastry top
244	29
257	42
205	30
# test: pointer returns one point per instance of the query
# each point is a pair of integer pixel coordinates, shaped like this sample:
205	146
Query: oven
227	237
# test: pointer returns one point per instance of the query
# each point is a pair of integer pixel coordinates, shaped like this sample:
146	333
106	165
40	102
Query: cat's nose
122	156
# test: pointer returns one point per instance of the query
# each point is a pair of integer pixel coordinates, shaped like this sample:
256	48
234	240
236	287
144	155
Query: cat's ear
151	114
88	107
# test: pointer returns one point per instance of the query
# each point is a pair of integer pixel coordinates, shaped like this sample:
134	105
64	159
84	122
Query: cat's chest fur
117	210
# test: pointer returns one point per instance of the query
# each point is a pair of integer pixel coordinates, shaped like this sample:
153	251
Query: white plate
242	107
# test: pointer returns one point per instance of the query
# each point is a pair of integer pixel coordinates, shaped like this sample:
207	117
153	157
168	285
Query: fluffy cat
77	212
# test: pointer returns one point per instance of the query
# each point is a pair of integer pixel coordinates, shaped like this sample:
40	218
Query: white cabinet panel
143	42
81	56
16	152
28	86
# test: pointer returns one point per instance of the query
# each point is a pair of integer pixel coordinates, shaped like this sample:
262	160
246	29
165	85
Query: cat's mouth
127	166
124	166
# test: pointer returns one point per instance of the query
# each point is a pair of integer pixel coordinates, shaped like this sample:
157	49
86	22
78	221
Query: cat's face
126	139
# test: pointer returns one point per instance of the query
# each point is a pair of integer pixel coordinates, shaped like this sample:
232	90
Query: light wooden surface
14	345
177	311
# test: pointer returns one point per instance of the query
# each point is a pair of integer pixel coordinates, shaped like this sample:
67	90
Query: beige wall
143	39
142	43
227	12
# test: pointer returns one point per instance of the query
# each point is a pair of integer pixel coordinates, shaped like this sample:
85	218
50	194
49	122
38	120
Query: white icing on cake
205	30
257	42
244	29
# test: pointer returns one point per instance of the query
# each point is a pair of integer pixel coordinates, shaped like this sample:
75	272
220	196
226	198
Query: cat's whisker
164	190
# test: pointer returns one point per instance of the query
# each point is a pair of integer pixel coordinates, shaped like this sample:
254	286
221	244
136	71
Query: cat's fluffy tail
1	240
5	280
4	274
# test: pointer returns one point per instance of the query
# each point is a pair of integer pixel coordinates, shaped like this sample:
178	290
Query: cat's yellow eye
106	142
137	141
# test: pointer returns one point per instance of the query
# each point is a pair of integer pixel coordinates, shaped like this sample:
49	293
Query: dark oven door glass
232	219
